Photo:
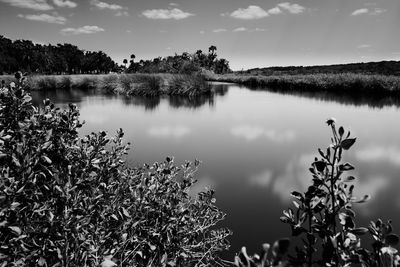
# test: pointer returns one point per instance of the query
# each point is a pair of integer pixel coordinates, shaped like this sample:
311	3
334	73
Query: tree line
26	56
382	68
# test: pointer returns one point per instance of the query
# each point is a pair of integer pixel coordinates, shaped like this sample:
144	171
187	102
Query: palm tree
133	57
125	62
212	49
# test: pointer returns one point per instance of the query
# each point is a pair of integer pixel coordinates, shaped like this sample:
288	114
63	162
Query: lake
255	146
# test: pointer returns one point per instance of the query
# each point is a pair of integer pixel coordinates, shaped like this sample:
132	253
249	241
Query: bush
68	200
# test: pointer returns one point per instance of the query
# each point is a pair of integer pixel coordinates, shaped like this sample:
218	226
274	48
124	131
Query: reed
343	83
125	84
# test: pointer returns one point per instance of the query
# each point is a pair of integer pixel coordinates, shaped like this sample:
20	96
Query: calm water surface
255	147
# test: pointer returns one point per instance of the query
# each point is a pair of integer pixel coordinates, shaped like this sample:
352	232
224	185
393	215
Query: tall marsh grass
188	85
345	83
126	84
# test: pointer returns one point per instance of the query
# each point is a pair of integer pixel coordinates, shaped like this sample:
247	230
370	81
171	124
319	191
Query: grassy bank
340	83
126	84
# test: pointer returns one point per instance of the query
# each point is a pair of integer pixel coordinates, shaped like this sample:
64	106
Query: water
256	147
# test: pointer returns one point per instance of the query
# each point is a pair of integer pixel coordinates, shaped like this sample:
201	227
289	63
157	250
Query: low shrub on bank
68	200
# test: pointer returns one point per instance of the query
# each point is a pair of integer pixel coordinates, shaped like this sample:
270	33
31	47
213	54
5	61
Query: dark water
256	147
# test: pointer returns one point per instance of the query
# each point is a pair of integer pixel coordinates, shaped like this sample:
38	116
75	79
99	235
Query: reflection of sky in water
256	147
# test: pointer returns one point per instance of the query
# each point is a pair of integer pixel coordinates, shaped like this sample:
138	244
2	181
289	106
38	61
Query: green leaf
320	165
108	262
126	213
364	199
16	230
346	167
347	143
349	179
341	131
359	231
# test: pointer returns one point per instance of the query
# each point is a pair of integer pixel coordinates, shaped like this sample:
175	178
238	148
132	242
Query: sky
248	33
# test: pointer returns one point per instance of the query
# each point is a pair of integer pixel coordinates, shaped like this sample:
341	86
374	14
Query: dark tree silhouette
26	56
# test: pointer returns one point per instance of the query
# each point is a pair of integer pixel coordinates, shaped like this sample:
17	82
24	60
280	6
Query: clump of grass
85	82
109	83
125	82
141	85
188	85
46	83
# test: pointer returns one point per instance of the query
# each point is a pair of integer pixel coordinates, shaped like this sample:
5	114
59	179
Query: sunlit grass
345	82
127	84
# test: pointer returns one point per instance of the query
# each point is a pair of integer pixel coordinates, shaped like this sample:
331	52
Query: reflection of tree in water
149	103
191	102
60	96
220	89
374	100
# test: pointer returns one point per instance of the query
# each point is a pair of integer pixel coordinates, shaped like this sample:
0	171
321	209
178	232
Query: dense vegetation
68	200
344	83
124	84
51	59
382	67
24	55
184	64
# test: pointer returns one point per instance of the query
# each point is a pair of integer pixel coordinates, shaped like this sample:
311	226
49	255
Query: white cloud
173	4
256	12
41	5
219	30
379	153
65	3
360	11
168	131
45	18
295	177
82	30
251	133
104	5
292	8
258	30
252	12
263	179
362	46
243	29
174	13
202	32
377	11
122	13
240	29
275	11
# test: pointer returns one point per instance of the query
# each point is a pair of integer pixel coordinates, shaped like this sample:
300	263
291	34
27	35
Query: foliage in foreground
68	200
324	221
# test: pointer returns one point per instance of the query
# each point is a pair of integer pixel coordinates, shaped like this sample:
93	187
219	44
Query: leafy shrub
68	200
324	219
